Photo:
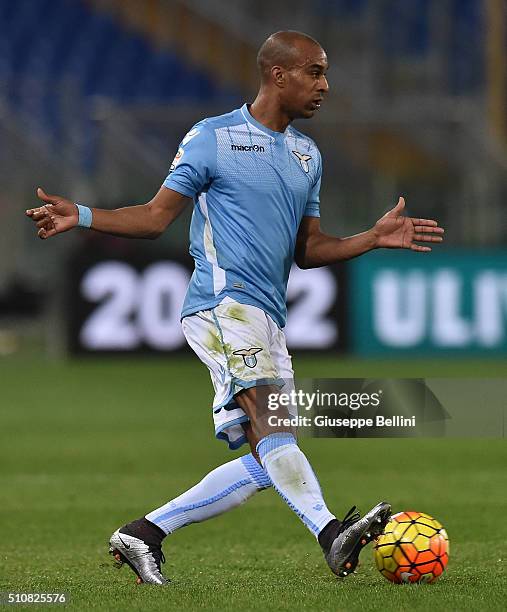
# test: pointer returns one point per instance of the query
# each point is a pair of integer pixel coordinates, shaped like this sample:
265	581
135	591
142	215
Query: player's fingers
421	229
46	233
400	205
46	223
398	209
40	213
430	222
36	213
46	197
419	248
426	238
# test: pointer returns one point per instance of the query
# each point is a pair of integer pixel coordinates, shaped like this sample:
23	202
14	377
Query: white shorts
242	347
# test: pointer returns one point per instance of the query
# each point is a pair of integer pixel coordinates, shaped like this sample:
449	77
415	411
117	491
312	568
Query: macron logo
255	148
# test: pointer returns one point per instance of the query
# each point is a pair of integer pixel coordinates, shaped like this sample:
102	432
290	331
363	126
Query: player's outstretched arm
392	231
58	215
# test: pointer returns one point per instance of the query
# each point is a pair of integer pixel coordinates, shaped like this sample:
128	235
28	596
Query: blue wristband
85	216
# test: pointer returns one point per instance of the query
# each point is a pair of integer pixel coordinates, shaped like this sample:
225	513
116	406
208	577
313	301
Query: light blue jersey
251	187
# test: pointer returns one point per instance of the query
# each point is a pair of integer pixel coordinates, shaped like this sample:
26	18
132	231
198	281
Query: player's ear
278	74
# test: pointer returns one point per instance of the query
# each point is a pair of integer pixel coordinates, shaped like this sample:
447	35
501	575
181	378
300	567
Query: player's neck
266	111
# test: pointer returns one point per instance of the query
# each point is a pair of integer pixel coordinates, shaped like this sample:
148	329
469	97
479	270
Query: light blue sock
293	478
226	487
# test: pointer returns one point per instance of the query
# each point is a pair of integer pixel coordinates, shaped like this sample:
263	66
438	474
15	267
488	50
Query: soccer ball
413	548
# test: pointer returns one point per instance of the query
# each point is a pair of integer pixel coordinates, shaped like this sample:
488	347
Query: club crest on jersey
249	356
303	160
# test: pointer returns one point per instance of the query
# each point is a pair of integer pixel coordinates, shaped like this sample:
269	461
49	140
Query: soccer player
254	183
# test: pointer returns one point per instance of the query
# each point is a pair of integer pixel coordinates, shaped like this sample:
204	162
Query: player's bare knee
266	415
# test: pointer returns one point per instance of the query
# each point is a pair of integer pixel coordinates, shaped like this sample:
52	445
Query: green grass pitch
87	446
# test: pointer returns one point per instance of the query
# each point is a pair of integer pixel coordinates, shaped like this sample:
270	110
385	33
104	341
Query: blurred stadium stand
51	45
96	94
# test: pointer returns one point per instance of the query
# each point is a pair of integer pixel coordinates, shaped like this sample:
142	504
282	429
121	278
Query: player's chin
308	113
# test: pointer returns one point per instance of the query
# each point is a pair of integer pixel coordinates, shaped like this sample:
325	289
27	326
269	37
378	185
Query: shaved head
293	68
287	49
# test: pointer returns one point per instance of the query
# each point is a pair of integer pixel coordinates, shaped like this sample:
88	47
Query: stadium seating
405	33
466	62
57	56
53	49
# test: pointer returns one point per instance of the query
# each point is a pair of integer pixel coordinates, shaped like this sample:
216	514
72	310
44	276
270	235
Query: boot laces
349	519
158	555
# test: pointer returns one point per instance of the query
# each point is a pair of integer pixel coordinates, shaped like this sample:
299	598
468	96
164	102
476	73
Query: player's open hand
395	231
55	216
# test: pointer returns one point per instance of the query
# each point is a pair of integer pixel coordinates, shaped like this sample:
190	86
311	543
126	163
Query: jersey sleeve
312	208
194	165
